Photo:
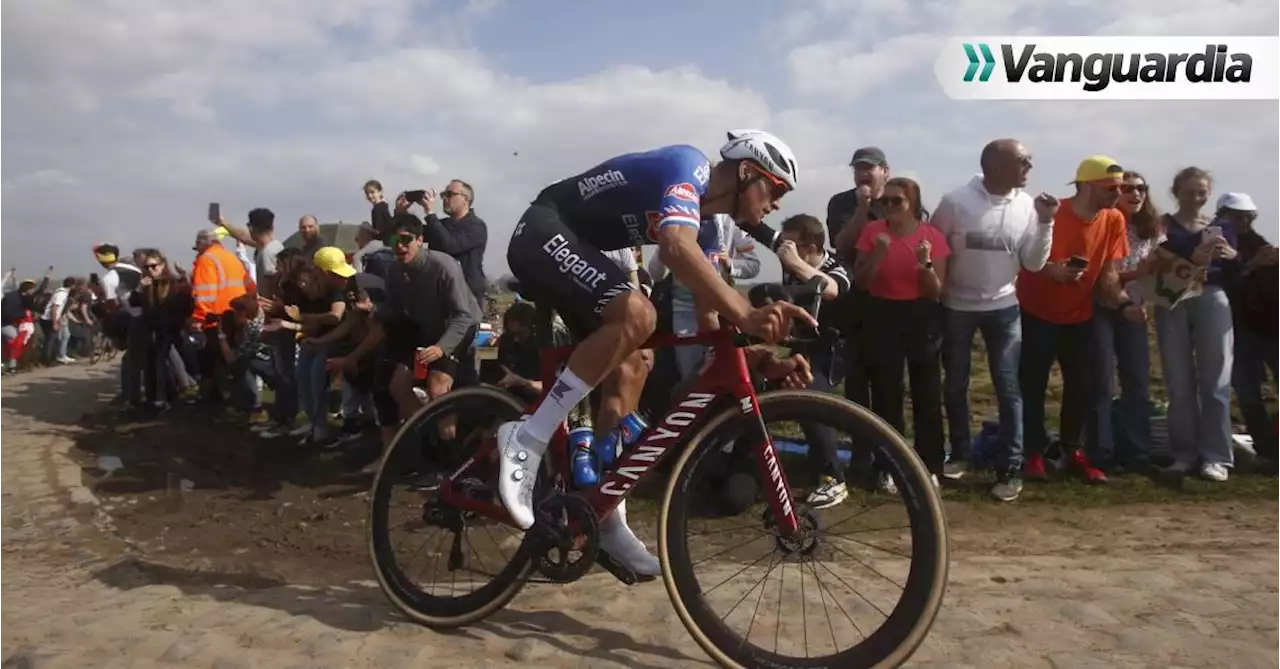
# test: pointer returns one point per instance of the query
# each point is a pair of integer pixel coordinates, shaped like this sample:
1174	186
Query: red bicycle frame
726	376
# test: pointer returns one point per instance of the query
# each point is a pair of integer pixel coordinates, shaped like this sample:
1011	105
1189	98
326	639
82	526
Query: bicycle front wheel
899	629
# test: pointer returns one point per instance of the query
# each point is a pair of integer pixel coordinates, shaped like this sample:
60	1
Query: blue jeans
313	383
1120	347
245	373
1196	351
1255	354
1002	333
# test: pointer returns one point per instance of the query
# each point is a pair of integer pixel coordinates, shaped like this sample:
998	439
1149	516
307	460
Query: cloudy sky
124	118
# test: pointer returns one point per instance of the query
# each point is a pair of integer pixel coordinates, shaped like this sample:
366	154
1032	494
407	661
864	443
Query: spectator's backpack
379	263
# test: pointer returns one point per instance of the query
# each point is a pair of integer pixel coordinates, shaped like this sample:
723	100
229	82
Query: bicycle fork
772	478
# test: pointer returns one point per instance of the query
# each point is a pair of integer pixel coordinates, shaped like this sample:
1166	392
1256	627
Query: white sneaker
887	485
66	360
303	430
617	539
1215	472
955	470
517	473
829	494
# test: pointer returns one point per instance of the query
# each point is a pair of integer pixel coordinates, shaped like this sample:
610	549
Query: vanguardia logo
988	62
1109	67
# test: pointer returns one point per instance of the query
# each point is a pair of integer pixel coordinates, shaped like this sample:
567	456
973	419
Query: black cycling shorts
558	269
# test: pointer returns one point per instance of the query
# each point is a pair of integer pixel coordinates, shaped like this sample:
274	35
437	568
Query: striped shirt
828	266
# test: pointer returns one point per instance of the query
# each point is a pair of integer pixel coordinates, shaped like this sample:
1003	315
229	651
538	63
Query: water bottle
628	432
582	460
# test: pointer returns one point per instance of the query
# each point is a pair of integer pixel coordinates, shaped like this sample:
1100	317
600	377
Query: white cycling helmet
764	150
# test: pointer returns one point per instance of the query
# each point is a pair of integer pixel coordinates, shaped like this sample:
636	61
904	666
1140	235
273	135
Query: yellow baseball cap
331	259
1098	168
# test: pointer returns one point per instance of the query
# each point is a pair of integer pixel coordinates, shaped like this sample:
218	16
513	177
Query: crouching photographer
801	251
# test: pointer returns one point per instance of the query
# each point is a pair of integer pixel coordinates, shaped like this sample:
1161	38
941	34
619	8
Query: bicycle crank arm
620	571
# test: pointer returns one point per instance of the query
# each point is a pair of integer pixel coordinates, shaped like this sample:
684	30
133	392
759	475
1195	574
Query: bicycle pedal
621	571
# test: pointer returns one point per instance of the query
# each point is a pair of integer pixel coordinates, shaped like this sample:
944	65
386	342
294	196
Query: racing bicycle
563	545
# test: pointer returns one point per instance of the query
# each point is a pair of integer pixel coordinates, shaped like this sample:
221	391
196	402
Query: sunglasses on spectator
402	238
449	193
1134	188
153	265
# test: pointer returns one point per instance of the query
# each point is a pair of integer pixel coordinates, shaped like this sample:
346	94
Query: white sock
567	392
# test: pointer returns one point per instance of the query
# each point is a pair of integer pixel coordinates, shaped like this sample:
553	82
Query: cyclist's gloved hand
772	322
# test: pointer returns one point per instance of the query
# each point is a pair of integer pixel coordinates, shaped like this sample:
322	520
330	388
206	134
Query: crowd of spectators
1042	280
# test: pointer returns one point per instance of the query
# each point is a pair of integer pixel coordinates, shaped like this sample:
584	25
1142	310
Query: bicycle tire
905	628
439	612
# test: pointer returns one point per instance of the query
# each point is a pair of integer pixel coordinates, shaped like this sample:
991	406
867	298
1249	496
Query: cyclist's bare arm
678	246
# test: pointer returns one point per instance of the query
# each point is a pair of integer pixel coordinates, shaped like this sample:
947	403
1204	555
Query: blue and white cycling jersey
625	201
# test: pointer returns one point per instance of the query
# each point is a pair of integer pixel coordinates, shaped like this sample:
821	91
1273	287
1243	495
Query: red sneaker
1033	470
1080	462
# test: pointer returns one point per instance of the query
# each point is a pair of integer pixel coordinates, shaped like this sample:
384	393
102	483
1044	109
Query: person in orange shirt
217	277
1089	241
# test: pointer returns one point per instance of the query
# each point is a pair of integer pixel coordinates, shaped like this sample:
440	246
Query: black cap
868	155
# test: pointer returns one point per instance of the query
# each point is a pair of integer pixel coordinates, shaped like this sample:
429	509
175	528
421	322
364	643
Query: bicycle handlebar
808	296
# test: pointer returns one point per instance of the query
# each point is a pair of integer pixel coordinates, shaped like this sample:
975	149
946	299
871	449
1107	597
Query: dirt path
1150	586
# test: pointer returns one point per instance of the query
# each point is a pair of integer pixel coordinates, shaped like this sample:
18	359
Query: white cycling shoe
517	473
617	539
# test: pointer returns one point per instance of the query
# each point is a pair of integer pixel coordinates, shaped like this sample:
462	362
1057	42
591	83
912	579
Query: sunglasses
449	193
402	239
153	265
1134	188
777	188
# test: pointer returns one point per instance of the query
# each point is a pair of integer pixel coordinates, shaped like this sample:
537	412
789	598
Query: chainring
565	524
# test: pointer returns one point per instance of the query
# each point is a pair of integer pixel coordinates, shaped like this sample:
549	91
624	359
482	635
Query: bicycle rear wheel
480	409
903	629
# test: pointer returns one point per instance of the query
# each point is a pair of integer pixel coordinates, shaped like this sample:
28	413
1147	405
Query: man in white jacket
994	228
736	255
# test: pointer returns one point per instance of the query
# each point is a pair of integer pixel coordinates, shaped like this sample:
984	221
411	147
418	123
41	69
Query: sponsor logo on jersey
683	191
570	263
702	173
596	184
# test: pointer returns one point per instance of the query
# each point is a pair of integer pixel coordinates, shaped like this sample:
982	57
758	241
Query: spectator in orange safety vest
217	278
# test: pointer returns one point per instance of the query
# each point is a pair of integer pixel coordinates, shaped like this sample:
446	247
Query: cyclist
660	197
